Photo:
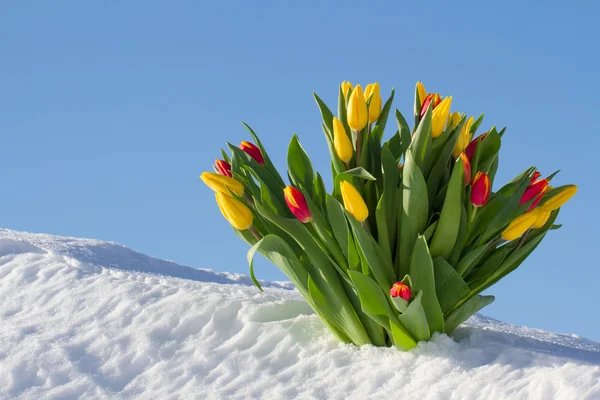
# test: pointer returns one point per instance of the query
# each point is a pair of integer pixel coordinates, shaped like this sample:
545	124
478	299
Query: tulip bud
470	150
297	204
422	93
252	151
520	225
357	109
536	176
542	218
223	167
560	199
353	201
432	97
372	91
402	290
341	141
234	211
440	116
346	87
535	189
222	184
466	167
480	189
464	137
453	119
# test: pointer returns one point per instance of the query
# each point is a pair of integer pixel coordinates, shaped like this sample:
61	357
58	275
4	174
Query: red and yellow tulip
253	152
401	290
480	189
223	167
297	204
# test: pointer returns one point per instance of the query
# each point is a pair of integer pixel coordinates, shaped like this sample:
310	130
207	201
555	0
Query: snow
89	319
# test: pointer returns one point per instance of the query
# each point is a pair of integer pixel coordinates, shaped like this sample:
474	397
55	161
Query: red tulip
400	289
297	204
534	191
435	97
253	151
467	167
536	176
480	189
223	167
470	150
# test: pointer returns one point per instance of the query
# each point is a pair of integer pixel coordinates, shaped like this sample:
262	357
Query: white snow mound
90	319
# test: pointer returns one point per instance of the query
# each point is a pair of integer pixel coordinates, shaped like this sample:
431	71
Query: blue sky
111	110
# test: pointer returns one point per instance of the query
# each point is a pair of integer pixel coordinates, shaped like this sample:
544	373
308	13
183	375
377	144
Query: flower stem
257	235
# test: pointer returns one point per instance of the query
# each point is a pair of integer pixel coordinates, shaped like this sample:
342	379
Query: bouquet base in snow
411	233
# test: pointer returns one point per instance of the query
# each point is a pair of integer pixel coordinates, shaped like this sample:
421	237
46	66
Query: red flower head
400	289
297	204
435	97
467	167
253	151
223	167
534	191
470	150
480	189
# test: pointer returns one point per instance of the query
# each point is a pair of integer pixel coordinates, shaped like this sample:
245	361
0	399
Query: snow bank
90	319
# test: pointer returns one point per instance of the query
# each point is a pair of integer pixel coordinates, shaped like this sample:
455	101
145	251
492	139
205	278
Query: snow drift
90	319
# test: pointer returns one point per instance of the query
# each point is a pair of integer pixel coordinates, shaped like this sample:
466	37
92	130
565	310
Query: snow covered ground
90	319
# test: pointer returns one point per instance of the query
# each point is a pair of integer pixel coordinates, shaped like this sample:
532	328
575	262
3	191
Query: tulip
520	225
297	204
341	141
480	189
402	290
222	184
440	116
470	150
357	109
542	218
372	91
535	190
422	93
466	167
560	199
536	176
433	97
223	167
464	137
346	87
454	119
353	201
234	211
252	151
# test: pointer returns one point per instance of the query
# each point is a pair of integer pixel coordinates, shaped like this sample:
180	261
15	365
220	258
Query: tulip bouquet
410	235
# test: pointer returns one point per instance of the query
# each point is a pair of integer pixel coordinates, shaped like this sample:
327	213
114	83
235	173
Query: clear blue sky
109	111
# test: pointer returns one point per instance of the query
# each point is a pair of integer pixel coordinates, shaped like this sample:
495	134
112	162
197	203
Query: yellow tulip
353	201
357	109
341	142
372	91
560	199
464	137
234	211
453	119
440	116
519	225
421	92
542	218
346	86
220	183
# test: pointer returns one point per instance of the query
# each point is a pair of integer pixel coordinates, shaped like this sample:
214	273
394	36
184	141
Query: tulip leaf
420	145
448	225
343	113
429	231
475	125
468	262
479	275
337	166
415	210
464	312
327	116
319	192
415	320
460	240
377	132
372	299
268	163
422	276
337	220
299	166
386	208
354	258
449	286
380	266
439	171
349	175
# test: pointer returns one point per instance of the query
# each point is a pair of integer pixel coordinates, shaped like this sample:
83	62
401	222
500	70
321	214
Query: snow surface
90	319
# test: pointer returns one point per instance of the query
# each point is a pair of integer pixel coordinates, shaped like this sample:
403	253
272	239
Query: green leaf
468	308
415	320
471	259
321	306
429	231
268	163
327	116
415	210
349	175
386	209
449	286
422	276
420	145
479	275
448	225
440	170
383	117
337	220
460	240
378	263
299	166
373	301
319	192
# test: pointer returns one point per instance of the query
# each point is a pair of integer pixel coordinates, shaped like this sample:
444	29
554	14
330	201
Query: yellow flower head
346	87
341	142
234	211
357	109
560	199
353	201
372	91
440	116
520	225
221	183
464	137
